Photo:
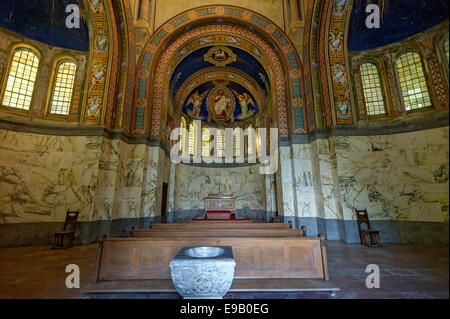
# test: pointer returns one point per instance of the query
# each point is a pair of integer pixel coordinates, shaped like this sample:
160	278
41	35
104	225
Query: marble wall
402	179
396	177
193	183
41	176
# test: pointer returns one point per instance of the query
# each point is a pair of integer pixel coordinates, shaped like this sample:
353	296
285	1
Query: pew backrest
149	258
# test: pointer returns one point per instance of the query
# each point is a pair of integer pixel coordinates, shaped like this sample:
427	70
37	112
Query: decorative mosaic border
98	76
222	73
262	24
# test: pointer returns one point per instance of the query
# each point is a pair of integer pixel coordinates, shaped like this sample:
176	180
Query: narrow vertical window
412	81
220	143
191	138
183	135
251	141
237	143
19	87
372	89
205	141
63	88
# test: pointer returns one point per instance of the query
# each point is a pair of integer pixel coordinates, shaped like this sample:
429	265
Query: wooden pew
256	258
222	226
214	232
236	221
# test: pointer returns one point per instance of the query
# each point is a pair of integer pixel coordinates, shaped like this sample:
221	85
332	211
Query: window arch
373	94
412	81
63	84
20	81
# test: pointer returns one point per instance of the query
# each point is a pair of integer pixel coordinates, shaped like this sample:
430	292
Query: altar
220	207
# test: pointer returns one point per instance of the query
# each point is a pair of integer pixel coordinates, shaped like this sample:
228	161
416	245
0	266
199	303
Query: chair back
71	220
363	218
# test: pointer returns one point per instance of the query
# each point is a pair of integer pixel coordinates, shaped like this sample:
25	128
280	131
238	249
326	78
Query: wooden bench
222	226
215	232
256	258
243	221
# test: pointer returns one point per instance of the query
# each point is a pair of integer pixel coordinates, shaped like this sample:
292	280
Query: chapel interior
96	109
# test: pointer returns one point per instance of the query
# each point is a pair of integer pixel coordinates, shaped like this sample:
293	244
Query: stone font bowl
204	252
203	272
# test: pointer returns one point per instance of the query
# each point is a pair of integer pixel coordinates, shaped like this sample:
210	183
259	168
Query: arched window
64	81
205	141
412	81
372	89
237	143
21	79
251	139
221	142
183	135
191	138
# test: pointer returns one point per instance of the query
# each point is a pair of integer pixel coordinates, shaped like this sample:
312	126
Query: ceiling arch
160	49
195	61
237	80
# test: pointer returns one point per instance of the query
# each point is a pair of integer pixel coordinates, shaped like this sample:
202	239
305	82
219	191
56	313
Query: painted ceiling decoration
220	56
400	20
220	76
220	101
45	21
237	58
161	54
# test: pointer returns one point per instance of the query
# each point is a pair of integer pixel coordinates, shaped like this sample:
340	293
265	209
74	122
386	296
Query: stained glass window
21	80
237	143
183	135
251	139
412	81
372	89
191	138
205	141
221	143
63	88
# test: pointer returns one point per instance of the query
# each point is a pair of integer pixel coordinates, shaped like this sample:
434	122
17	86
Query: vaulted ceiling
400	20
44	21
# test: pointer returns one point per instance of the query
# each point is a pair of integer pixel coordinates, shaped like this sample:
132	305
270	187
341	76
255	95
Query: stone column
295	17
143	10
142	26
296	27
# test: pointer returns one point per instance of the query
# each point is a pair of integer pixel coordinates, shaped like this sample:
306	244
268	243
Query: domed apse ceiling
401	19
196	61
220	101
44	21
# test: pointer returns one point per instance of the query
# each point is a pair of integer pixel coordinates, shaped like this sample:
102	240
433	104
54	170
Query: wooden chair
65	238
368	237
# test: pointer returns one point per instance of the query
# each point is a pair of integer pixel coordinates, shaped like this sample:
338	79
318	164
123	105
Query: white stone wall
194	183
396	177
41	176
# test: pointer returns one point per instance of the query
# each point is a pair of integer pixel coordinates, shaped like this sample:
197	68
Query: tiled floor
406	272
